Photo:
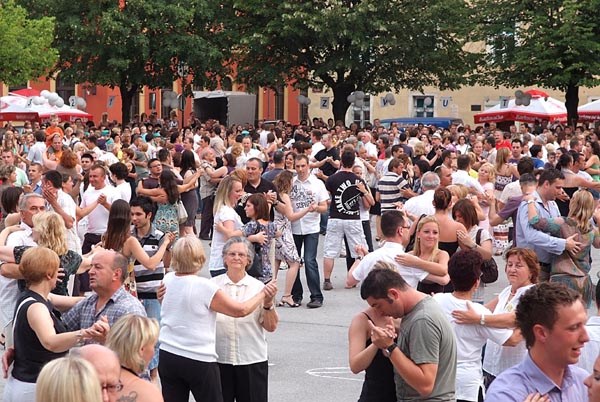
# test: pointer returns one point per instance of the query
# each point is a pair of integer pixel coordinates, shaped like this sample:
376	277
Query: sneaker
327	285
314	304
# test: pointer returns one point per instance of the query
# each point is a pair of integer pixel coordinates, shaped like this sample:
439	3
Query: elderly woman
188	357
133	339
39	335
241	342
522	270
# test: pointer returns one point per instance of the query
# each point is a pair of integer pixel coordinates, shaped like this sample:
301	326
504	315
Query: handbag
255	269
489	268
182	214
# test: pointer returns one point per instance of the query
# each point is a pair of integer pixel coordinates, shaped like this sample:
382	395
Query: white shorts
336	230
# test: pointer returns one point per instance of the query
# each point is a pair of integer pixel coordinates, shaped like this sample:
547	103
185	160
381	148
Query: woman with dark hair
420	167
118	174
9	201
230	162
572	182
189	198
475	237
118	237
167	196
592	156
285	248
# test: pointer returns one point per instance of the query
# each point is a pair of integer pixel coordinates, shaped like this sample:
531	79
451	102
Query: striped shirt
389	187
148	281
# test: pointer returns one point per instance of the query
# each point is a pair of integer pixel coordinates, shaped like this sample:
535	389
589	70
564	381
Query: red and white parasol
541	107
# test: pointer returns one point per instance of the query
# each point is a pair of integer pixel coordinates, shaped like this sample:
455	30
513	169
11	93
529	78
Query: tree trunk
340	103
571	103
128	91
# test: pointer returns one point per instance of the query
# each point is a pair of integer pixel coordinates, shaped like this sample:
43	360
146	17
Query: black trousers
81	283
206	224
180	375
245	383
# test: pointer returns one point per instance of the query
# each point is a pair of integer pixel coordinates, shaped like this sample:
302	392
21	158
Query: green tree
136	43
26	44
348	45
550	43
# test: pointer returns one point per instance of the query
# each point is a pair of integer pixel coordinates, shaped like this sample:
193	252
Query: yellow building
463	103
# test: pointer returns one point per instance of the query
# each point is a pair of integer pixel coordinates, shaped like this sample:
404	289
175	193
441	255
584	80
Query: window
423	106
65	88
475	108
135	106
279	102
362	114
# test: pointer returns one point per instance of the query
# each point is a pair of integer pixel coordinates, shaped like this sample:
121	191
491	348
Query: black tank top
30	355
428	288
563	206
379	383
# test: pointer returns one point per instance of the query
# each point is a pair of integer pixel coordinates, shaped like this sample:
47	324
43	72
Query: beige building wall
461	104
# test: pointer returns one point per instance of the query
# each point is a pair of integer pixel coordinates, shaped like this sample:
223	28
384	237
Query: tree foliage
550	43
26	44
137	43
348	45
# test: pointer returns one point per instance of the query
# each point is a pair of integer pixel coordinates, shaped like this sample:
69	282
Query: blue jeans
152	307
311	268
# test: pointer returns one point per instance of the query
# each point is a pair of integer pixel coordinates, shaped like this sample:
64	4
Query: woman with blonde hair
426	255
228	193
48	231
188	357
133	338
487	177
505	173
572	268
68	379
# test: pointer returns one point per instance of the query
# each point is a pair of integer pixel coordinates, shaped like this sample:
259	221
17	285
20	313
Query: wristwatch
272	307
530	202
387	352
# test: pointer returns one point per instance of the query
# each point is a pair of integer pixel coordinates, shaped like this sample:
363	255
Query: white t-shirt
70	208
387	253
510	190
188	325
421	204
124	191
98	218
469	343
224	214
302	195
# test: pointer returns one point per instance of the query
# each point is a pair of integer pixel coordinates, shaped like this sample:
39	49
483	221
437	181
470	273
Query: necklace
130	370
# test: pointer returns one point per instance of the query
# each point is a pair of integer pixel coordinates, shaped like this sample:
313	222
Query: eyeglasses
232	254
112	388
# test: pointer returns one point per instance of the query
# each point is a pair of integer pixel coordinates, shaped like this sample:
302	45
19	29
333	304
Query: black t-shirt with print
345	195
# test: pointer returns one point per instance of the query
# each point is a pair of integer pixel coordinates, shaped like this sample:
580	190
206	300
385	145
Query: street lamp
182	70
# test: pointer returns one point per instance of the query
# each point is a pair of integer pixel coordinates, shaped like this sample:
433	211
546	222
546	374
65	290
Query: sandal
287	303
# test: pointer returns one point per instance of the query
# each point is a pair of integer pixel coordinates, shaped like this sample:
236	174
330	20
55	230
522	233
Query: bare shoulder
142	391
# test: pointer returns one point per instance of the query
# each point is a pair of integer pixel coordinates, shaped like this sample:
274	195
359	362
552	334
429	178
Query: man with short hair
155	168
424	356
423	204
37	150
395	229
516	151
109	298
278	166
248	153
255	185
306	191
461	176
445	175
550	185
390	186
35	178
107	366
552	320
489	149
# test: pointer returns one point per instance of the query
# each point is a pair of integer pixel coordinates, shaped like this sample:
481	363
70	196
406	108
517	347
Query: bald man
106	363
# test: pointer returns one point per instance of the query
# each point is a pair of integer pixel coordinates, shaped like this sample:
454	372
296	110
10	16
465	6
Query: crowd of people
101	252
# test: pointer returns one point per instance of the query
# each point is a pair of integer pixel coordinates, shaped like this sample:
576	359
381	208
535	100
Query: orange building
268	105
